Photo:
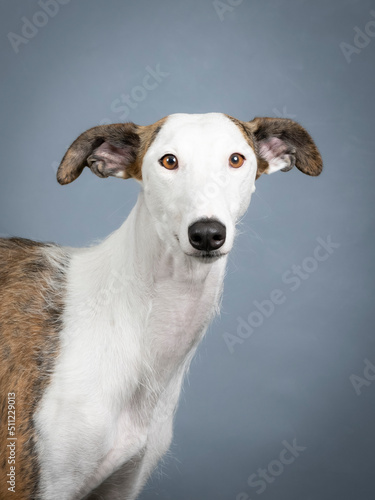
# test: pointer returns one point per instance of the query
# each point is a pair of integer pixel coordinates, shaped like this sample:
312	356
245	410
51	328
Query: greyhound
95	342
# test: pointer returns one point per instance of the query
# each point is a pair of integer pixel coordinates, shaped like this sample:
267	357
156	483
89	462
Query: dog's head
197	171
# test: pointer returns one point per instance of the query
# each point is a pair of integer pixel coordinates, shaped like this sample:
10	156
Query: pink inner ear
272	148
115	159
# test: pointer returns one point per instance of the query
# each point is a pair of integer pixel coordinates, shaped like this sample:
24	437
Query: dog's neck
180	292
147	294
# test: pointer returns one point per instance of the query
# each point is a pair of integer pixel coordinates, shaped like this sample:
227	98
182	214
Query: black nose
207	235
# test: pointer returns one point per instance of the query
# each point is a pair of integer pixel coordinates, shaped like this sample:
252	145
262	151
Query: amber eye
236	160
169	161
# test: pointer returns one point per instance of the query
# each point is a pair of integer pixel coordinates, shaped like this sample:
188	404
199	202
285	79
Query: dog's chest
117	382
176	323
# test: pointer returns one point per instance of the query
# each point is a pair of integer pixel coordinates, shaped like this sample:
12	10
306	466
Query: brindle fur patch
31	290
294	136
131	141
306	155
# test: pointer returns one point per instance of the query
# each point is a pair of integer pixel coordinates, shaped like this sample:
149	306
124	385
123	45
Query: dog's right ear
108	150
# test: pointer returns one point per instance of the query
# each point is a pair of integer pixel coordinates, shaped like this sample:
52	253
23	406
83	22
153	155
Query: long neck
153	302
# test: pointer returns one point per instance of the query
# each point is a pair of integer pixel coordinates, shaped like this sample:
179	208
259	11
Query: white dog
95	342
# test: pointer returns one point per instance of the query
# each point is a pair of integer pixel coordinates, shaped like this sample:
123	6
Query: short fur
31	291
95	342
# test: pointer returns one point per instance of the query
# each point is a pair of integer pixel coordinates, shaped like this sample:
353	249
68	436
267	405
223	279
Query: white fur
137	306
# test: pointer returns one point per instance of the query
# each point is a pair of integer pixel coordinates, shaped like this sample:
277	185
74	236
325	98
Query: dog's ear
108	150
281	144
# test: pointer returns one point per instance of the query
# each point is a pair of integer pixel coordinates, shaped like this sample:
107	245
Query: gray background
291	378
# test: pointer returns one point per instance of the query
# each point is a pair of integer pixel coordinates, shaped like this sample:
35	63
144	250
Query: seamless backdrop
303	373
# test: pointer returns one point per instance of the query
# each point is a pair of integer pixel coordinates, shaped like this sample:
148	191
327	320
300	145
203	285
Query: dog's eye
169	161
236	160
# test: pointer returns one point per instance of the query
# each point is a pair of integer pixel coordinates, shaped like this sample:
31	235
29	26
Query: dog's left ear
281	144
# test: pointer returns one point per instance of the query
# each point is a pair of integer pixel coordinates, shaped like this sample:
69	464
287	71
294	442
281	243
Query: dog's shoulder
32	287
24	262
15	253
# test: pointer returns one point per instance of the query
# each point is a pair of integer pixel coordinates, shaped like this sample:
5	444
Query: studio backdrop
279	402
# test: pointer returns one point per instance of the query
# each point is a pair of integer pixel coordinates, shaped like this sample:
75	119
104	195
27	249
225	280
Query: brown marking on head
109	150
247	133
31	289
282	141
